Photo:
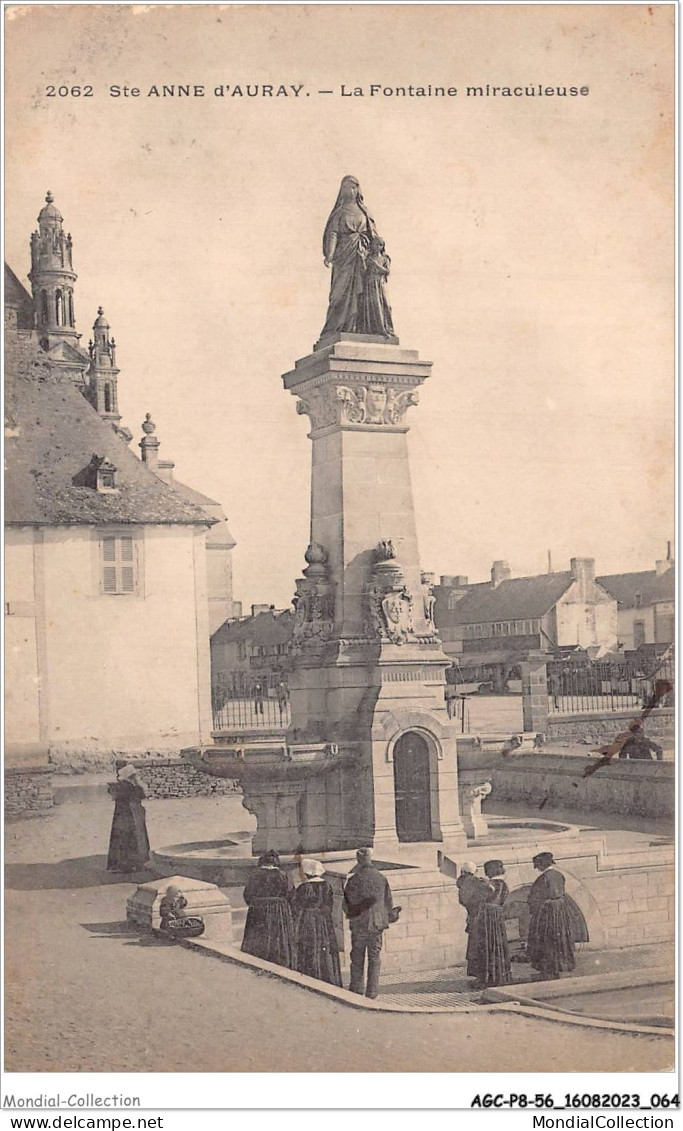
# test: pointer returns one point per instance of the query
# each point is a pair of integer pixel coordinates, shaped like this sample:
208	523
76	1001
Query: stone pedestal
368	667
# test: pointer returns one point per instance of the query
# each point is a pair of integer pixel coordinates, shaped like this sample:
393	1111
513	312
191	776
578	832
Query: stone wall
626	898
602	727
634	788
173	777
28	791
430	933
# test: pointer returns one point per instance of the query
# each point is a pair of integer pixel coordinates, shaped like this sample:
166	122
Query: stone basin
270	760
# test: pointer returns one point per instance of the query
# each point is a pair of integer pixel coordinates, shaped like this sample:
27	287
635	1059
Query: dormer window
639	600
100	475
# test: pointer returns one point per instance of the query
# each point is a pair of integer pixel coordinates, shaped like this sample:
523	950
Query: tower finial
49	198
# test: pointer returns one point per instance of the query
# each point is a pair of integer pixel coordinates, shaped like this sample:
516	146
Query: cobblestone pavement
83	994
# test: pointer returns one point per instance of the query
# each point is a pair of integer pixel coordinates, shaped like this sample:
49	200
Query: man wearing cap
367	905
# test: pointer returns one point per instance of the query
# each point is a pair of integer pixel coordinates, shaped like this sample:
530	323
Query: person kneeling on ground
175	922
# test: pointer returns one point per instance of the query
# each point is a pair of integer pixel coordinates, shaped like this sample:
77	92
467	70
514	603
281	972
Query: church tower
103	374
52	279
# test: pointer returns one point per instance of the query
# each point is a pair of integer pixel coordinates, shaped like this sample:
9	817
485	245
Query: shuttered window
118	563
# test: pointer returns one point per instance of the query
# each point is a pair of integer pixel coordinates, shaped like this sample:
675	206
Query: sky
531	241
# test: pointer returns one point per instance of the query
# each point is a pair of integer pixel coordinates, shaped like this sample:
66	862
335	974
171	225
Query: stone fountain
370	757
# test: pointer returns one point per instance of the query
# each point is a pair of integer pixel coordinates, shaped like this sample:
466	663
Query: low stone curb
527	1007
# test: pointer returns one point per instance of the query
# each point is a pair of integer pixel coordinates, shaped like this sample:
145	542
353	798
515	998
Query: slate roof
652	588
273	627
193	496
54	436
519	598
17	296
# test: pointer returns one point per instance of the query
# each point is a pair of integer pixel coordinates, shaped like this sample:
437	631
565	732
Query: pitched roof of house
17	296
518	598
193	496
271	627
55	432
651	587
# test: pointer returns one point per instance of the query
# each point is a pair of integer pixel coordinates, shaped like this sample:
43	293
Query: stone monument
368	669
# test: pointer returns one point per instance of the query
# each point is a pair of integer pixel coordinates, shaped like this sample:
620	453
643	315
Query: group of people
294	926
550	943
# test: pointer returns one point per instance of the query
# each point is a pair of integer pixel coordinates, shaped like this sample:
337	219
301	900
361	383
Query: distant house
490	627
257	644
646	604
106	602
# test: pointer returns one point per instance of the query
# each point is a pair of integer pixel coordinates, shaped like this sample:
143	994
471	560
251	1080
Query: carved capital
367	402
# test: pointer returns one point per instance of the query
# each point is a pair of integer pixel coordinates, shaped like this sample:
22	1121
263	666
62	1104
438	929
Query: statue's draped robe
376	312
550	945
352	230
317	950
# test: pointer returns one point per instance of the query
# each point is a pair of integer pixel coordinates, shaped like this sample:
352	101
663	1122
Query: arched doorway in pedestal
412	788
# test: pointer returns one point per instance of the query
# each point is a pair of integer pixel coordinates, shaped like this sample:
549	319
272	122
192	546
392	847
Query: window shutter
118	563
109	579
109	549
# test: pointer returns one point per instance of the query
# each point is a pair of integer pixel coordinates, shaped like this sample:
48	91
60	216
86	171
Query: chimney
500	571
165	471
149	444
662	565
453	580
583	572
257	609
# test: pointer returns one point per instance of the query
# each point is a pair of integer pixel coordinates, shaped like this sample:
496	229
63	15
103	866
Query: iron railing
631	683
244	700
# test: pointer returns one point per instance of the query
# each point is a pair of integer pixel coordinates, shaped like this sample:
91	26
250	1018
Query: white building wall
22	686
589	623
120	672
627	621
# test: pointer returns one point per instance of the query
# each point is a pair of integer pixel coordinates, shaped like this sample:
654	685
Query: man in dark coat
367	904
639	746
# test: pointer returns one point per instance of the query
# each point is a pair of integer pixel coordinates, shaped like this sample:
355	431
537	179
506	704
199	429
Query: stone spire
103	373
52	278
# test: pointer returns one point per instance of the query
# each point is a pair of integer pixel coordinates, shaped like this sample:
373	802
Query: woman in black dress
317	950
128	842
490	953
269	929
472	891
550	944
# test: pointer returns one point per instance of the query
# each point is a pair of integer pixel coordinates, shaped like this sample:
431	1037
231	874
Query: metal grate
243	701
581	687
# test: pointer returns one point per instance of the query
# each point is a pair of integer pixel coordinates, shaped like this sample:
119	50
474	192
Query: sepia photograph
340	576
